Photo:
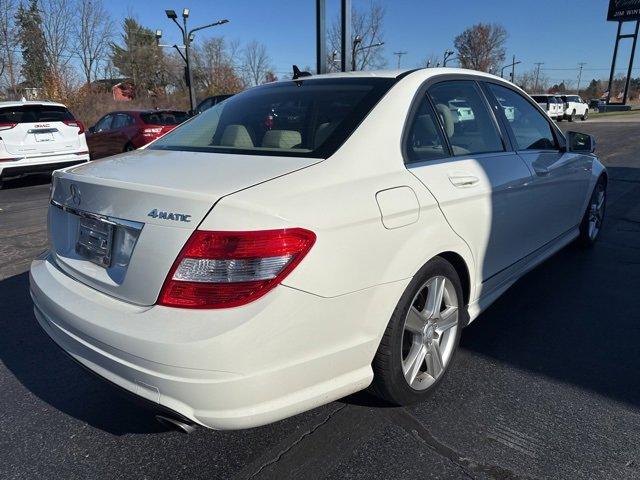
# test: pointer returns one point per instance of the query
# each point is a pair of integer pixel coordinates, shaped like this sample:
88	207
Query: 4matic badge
178	217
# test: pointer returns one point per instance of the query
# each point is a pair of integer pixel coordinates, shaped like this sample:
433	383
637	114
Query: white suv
574	107
551	104
37	137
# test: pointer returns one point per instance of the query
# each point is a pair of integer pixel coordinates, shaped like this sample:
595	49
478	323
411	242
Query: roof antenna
298	74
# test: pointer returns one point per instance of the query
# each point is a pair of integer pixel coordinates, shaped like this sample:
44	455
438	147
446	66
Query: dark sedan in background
123	131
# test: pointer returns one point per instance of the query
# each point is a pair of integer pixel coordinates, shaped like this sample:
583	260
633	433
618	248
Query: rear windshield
541	99
164	118
34	114
305	118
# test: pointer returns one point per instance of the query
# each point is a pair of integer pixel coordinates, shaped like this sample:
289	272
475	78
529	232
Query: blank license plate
94	241
44	137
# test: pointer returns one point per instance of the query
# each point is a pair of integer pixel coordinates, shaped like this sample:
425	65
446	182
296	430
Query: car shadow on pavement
48	373
575	318
27	181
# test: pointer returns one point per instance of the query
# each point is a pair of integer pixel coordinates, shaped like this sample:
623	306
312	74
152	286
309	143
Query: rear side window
530	128
306	118
424	140
164	118
34	114
465	118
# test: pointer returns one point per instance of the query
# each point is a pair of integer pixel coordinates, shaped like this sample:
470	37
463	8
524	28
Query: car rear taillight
229	269
75	123
7	126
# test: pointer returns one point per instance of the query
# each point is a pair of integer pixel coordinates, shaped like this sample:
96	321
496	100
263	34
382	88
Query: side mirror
581	142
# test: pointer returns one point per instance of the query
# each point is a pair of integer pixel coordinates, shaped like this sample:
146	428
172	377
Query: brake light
229	269
7	126
75	123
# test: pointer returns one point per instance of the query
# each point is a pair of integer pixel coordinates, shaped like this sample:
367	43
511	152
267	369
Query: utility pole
538	65
581	65
399	54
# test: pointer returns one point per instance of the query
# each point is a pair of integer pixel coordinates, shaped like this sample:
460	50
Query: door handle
464	180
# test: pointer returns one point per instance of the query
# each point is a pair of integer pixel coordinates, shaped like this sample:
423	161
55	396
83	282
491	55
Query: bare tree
432	60
255	63
57	28
214	71
369	26
8	47
93	32
481	47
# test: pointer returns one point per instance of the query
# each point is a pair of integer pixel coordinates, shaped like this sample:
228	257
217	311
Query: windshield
306	118
163	118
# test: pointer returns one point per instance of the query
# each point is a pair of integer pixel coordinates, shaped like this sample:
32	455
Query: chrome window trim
111	220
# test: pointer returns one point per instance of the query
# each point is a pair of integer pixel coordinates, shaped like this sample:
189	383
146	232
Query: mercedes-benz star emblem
75	194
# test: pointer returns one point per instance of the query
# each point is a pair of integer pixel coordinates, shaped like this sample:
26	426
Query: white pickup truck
574	106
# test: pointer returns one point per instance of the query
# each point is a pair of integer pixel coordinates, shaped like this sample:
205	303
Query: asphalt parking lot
546	384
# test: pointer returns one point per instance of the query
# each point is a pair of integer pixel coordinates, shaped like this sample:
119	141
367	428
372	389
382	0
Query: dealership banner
624	10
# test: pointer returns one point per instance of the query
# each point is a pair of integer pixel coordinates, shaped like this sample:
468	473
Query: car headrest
281	139
447	119
236	136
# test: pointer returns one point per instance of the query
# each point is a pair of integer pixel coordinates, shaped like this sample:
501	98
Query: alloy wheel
429	334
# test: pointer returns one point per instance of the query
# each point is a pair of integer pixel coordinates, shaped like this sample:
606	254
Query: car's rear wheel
422	336
129	148
593	218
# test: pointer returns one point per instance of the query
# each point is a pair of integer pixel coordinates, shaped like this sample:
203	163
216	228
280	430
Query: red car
123	131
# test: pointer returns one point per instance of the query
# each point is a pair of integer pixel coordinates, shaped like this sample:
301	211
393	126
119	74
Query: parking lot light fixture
185	13
171	14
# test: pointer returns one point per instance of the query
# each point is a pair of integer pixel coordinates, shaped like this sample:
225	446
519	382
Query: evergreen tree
34	64
139	59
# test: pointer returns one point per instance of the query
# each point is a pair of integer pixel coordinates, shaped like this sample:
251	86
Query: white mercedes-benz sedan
309	238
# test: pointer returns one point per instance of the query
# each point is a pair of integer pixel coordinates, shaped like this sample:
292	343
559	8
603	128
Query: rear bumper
29	166
227	369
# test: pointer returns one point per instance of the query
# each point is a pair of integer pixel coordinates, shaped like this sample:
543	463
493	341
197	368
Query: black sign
623	10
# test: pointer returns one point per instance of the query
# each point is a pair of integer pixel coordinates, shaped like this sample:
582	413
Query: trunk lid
118	224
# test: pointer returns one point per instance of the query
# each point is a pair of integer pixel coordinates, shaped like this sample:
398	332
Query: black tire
572	117
585	115
129	148
560	119
389	381
587	238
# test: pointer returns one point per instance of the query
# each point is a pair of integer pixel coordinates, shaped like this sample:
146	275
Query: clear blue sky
560	33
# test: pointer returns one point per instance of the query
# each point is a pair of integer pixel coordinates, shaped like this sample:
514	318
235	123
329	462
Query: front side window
530	128
465	118
424	138
306	118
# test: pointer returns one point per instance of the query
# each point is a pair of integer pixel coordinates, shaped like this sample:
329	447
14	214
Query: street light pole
446	56
355	49
538	65
187	38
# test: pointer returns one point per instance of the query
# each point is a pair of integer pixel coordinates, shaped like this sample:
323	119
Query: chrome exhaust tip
175	424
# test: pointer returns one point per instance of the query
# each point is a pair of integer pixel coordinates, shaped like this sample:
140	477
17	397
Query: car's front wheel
572	117
585	115
422	336
591	224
